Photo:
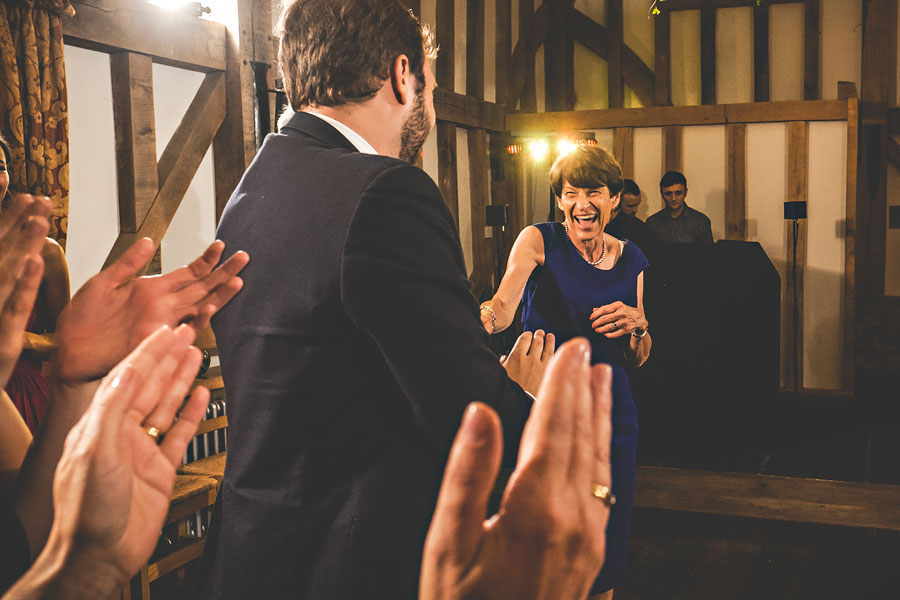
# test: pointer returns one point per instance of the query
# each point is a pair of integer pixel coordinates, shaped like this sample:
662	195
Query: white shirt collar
354	138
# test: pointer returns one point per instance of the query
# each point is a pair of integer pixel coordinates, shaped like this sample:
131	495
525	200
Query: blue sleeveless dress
559	298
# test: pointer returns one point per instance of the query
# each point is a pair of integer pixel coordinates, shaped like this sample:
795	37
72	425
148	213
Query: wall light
538	149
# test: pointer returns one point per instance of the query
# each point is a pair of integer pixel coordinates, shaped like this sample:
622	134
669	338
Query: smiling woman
576	280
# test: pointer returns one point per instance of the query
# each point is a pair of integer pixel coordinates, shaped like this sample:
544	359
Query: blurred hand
548	540
617	319
113	311
112	485
529	358
22	229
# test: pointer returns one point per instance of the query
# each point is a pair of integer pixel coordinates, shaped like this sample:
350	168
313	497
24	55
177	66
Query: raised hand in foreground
113	482
22	229
548	539
528	359
113	311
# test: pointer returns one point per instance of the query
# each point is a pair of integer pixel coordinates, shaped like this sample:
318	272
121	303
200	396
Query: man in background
626	225
677	222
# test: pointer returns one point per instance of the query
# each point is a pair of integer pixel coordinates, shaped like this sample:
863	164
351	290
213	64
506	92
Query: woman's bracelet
484	307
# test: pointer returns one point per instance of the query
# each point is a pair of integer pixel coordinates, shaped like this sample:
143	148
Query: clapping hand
529	358
548	540
617	319
22	229
113	311
112	485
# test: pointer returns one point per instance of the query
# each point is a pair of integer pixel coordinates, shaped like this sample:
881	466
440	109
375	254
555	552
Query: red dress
27	387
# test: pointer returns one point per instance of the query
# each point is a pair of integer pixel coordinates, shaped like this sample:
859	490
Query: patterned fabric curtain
34	112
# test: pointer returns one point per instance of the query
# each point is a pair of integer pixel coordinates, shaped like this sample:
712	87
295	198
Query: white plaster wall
639	33
591	80
490	51
459	46
93	201
684	45
648	168
786	26
703	162
193	227
841	44
766	191
430	156
595	9
734	55
823	286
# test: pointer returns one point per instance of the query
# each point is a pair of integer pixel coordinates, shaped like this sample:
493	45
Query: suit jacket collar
313	126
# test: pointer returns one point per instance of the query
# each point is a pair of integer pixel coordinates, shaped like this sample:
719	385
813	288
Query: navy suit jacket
349	357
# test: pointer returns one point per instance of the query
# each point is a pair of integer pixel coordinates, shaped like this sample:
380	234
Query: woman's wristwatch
639	332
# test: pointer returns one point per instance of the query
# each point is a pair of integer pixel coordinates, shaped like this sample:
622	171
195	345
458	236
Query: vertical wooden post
708	55
503	39
479	160
615	33
847	91
761	53
623	150
662	93
672	148
735	182
811	51
446	132
526	22
792	316
556	69
135	131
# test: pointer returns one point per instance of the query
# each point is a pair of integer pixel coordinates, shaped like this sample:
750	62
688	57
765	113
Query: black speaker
496	215
795	210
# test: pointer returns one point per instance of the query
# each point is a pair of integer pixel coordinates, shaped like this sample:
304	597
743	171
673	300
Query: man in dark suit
355	345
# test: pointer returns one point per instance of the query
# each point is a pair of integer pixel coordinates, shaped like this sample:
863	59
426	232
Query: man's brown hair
337	51
586	167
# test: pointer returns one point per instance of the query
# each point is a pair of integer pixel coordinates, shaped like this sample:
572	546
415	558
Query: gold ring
152	432
603	493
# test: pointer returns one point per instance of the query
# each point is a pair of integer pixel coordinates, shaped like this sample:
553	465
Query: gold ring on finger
152	431
603	493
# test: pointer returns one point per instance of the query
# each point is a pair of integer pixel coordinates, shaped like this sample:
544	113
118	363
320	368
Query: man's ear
616	200
401	77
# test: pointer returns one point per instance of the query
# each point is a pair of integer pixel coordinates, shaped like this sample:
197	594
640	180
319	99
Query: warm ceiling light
538	149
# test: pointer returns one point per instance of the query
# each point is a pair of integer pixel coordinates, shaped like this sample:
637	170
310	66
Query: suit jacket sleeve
403	282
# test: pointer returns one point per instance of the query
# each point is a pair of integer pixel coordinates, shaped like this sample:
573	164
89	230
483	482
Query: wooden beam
708	55
672	142
615	28
503	50
893	152
843	503
735	182
850	240
673	5
623	150
479	198
893	120
595	38
662	92
761	53
123	25
719	114
179	162
792	315
533	28
135	131
468	112
445	30
555	58
811	50
447	174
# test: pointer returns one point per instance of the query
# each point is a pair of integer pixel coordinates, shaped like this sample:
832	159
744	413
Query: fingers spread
127	266
468	480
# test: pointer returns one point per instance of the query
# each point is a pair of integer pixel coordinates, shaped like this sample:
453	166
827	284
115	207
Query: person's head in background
631	199
673	189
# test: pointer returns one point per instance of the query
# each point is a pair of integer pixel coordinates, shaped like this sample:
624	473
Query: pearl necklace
602	249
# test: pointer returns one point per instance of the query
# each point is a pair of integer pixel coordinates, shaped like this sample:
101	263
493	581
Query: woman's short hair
586	167
337	51
4	145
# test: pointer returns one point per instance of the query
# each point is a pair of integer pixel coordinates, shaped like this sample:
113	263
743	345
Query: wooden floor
688	556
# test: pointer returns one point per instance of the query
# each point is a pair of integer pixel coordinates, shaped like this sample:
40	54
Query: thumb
468	480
